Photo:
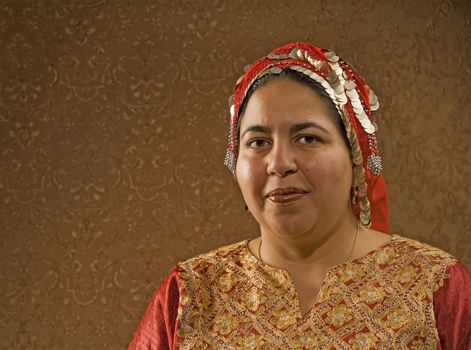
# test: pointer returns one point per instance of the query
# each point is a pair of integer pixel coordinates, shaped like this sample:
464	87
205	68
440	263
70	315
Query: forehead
285	102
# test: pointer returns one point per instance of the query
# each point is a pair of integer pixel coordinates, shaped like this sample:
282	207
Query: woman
322	274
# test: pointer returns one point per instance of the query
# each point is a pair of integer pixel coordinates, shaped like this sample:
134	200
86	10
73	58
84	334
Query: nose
281	160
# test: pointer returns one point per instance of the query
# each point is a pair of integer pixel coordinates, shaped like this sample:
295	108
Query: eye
308	139
257	143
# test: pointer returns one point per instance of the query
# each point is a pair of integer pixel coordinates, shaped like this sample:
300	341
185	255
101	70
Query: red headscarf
355	102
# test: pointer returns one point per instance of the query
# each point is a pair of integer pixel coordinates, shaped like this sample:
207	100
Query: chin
291	227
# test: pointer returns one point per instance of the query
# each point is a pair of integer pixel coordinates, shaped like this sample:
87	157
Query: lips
285	195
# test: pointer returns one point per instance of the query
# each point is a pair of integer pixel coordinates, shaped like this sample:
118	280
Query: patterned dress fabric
403	295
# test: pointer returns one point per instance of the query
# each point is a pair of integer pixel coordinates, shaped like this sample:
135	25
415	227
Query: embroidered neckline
358	260
331	271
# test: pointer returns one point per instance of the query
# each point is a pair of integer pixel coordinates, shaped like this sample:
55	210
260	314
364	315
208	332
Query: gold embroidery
252	299
395	319
384	256
230	300
225	283
308	341
339	315
353	272
250	342
372	295
407	274
282	318
328	293
225	324
364	341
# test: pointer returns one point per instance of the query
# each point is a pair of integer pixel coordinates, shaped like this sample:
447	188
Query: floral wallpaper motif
113	130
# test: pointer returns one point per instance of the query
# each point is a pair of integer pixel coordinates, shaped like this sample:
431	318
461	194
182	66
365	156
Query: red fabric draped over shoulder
452	304
157	330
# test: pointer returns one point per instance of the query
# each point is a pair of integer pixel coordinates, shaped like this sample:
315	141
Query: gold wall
113	133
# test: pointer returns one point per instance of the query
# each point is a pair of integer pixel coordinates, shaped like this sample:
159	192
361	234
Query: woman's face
293	168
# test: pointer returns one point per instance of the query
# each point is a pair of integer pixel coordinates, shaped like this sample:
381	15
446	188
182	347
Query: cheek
341	172
325	169
250	175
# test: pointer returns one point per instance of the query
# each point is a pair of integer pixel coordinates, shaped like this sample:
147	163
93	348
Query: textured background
113	131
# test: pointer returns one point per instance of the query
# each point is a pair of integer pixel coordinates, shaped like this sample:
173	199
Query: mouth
285	195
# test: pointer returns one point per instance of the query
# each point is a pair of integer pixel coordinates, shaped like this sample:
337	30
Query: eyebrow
299	127
292	129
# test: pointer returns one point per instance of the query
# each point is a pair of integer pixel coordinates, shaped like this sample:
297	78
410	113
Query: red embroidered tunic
403	295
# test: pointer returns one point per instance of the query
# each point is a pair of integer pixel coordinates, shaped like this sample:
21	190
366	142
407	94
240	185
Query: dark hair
288	74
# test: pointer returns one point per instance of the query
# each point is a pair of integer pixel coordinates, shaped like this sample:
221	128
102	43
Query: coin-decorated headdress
355	103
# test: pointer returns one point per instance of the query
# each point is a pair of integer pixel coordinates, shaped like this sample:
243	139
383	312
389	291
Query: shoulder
452	307
421	252
419	261
436	279
220	258
213	273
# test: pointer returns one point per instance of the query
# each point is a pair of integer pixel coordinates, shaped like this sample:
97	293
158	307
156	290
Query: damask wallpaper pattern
113	129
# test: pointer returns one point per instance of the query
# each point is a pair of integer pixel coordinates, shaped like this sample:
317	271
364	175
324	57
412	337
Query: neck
318	247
